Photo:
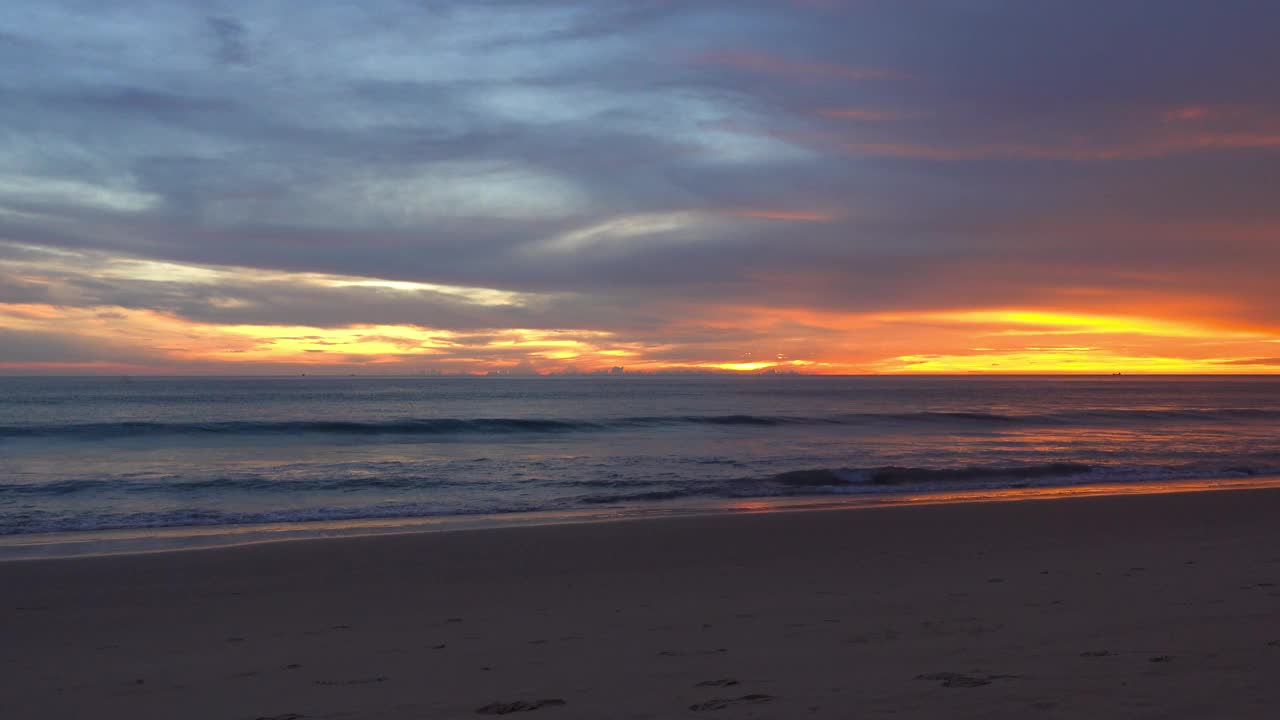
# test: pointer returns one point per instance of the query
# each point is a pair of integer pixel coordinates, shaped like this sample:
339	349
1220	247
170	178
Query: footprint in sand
960	680
357	681
722	703
500	708
953	680
691	653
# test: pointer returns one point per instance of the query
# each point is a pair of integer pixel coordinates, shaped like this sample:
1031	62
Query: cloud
786	215
1084	151
1253	361
868	114
21	346
803	70
631	231
644	169
229	37
29	191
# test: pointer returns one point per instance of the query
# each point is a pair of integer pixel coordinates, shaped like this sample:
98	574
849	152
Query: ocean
94	454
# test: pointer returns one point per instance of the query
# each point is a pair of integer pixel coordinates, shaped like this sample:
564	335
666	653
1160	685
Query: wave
237	484
889	480
433	426
892	475
508	426
413	496
609	489
407	426
46	522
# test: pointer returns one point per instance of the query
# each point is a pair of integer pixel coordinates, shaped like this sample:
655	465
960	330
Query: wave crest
505	426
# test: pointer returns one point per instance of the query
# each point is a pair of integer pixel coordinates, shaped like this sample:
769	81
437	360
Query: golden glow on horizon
1085	360
1035	322
959	342
1157	335
758	365
935	342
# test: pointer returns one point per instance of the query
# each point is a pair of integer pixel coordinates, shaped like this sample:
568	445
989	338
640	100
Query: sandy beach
1150	606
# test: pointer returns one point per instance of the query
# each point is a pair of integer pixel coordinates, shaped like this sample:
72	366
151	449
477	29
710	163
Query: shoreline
136	541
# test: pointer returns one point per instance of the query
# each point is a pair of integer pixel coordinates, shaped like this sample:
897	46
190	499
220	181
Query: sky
546	186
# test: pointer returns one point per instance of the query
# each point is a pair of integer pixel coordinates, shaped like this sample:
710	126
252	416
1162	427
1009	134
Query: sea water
91	454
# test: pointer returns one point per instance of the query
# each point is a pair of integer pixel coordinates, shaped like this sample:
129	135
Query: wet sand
1117	607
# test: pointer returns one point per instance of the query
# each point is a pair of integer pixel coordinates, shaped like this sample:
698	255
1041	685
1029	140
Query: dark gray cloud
28	346
230	44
